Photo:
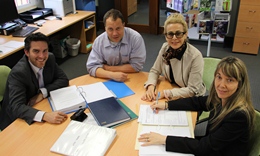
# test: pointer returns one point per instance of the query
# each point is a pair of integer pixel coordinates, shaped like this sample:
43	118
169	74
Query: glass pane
138	11
163	12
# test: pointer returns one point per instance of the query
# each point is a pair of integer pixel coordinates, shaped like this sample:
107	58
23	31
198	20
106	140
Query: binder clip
79	115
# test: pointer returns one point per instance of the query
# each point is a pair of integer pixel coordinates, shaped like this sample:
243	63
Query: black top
230	137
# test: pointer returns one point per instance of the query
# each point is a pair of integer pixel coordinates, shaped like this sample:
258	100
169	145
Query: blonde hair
241	99
175	18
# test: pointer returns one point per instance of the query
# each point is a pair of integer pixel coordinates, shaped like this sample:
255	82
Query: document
164	117
10	46
94	92
81	139
159	150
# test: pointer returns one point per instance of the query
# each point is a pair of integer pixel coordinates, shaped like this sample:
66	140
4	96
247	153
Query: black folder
108	112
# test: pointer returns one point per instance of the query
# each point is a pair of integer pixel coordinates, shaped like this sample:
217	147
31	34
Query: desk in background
72	24
21	139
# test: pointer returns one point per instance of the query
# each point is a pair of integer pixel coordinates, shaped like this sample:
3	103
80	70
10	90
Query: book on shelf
108	112
83	139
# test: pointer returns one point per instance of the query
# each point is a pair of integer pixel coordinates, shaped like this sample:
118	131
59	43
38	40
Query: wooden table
21	139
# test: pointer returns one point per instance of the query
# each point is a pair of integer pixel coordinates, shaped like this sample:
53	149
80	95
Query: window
24	5
21	2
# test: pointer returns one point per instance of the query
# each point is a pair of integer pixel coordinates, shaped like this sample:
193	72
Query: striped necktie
40	78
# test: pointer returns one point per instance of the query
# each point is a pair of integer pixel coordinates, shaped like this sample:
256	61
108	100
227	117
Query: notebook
108	112
132	115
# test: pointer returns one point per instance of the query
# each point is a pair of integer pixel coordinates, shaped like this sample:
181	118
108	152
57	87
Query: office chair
4	72
254	141
210	65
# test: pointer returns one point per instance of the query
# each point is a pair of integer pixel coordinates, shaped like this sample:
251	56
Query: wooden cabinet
247	36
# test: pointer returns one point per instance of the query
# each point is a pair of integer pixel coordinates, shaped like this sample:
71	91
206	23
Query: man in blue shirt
117	51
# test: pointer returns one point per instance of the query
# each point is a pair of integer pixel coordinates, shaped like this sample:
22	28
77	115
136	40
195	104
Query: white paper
94	92
4	50
158	150
164	117
80	139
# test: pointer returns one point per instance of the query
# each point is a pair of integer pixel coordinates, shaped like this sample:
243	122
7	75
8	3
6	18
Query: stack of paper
164	117
82	139
166	122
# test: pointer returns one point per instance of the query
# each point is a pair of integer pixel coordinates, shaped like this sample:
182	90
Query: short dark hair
115	14
34	37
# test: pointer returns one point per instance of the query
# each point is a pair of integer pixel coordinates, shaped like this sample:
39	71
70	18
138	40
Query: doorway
144	16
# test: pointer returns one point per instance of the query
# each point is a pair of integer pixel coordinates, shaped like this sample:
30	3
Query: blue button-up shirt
130	50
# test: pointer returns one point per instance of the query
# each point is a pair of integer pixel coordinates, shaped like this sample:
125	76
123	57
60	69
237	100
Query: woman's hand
149	95
157	106
152	139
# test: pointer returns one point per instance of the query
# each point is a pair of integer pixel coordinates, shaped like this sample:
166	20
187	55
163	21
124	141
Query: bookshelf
211	17
88	34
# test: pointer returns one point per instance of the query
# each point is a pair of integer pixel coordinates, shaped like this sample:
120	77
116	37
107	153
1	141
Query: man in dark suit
24	89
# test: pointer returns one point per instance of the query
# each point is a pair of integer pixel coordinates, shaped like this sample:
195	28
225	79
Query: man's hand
54	117
119	76
37	98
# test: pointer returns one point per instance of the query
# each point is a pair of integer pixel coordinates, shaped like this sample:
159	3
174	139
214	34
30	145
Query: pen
157	98
59	18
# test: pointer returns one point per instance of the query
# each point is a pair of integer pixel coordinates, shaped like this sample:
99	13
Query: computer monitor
8	11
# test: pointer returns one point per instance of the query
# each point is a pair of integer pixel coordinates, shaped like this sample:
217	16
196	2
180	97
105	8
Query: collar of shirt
34	68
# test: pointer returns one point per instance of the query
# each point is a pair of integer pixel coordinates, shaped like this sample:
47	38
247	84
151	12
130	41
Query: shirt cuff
38	117
44	92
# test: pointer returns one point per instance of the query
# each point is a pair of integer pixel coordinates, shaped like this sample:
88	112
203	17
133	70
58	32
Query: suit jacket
230	137
22	85
187	72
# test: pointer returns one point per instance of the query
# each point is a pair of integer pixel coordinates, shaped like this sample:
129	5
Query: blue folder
120	89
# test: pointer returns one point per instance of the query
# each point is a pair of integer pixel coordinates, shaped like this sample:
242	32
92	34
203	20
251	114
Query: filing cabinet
247	36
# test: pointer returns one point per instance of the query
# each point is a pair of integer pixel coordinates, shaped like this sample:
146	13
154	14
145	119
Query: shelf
88	34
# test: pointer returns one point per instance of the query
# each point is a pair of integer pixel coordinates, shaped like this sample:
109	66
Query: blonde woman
231	115
180	62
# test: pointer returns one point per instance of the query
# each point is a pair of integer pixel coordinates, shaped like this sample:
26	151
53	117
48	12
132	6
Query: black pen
59	18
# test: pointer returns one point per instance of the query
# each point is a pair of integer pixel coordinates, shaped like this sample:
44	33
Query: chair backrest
254	141
4	72
210	65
